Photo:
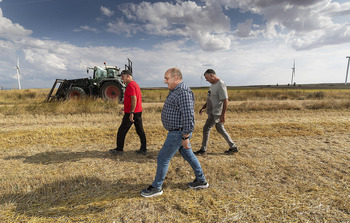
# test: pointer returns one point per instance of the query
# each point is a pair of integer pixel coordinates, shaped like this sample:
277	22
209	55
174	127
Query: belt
175	130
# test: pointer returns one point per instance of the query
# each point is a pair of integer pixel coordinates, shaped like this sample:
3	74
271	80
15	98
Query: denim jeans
172	144
211	121
124	128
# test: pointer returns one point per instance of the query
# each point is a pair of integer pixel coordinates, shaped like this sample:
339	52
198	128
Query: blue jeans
172	144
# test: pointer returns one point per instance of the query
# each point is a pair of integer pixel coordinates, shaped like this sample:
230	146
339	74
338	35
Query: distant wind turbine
293	73
347	71
202	79
18	74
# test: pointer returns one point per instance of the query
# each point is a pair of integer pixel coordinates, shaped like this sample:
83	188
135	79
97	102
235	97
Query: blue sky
247	42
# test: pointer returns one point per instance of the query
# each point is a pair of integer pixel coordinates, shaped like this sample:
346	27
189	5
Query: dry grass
293	164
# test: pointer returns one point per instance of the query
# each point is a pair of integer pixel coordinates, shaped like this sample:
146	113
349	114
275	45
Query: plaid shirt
178	110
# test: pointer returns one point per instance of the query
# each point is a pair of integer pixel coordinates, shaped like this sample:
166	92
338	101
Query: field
293	164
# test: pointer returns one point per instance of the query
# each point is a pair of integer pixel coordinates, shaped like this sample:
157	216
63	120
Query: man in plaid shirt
178	119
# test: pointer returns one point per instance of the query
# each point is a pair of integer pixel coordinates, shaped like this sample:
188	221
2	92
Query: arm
186	102
203	108
223	113
133	106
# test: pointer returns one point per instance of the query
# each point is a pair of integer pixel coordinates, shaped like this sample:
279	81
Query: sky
247	42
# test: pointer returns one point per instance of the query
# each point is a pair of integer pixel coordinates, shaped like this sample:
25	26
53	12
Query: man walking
178	118
215	106
132	114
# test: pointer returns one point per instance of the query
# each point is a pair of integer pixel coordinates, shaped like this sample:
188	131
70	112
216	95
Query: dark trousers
125	126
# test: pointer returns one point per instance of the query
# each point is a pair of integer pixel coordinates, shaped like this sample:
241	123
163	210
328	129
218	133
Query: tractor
105	83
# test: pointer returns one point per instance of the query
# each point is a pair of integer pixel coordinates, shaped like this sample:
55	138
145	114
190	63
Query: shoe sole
231	152
152	195
116	153
200	186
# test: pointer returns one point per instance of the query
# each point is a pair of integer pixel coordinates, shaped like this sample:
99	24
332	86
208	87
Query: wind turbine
18	74
293	73
347	71
202	79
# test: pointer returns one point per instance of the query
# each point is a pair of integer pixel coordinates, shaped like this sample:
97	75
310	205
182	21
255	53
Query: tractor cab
105	72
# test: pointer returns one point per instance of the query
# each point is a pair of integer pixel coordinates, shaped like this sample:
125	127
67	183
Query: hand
186	144
222	118
131	117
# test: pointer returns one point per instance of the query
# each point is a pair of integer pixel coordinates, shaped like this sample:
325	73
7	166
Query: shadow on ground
72	197
55	157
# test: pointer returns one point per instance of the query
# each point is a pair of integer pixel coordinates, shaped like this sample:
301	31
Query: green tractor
105	84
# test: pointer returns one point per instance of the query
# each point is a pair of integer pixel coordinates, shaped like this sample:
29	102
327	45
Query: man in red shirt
132	114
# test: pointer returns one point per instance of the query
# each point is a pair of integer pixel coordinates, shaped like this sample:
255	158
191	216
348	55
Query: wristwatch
132	113
185	137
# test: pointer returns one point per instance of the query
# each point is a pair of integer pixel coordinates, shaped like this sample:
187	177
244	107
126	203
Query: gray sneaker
151	191
197	184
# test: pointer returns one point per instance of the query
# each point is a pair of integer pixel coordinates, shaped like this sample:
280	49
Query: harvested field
293	163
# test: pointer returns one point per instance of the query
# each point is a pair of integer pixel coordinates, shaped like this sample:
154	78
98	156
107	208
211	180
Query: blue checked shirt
178	110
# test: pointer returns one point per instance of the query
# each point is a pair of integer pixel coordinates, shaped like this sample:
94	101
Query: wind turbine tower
293	73
347	71
18	74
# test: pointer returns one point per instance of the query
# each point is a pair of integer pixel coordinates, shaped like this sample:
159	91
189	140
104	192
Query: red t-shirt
132	89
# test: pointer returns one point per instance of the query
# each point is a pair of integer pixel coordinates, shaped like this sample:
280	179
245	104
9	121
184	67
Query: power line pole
347	71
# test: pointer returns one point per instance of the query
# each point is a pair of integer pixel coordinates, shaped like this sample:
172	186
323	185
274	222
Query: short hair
175	71
209	71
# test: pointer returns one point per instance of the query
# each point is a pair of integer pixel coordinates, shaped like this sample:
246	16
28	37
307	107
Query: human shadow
72	197
54	157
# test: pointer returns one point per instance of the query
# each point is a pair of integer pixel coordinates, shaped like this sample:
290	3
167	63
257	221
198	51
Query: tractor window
100	73
112	72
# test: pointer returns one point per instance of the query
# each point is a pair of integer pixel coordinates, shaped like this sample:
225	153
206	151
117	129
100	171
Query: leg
188	155
221	129
123	129
139	130
206	132
171	145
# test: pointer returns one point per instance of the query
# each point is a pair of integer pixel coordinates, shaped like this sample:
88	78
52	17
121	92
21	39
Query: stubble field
293	163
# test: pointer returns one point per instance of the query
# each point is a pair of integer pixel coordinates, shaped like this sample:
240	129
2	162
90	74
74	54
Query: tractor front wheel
112	91
75	93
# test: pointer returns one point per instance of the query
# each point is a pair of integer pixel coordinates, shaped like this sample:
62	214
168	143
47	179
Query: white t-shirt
216	94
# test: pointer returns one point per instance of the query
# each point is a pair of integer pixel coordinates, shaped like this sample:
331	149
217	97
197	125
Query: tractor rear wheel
112	91
75	93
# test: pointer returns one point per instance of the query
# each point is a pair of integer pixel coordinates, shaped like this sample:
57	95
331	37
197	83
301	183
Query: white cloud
207	25
10	30
85	28
244	29
106	11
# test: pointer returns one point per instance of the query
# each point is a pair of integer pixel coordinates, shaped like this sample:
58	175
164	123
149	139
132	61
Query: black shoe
197	184
116	151
142	152
151	191
232	150
200	152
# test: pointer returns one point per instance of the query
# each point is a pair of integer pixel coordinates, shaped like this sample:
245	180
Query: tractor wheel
75	93
112	91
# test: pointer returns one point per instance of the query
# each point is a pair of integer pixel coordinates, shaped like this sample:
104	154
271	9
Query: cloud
106	11
11	30
206	25
85	28
304	24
